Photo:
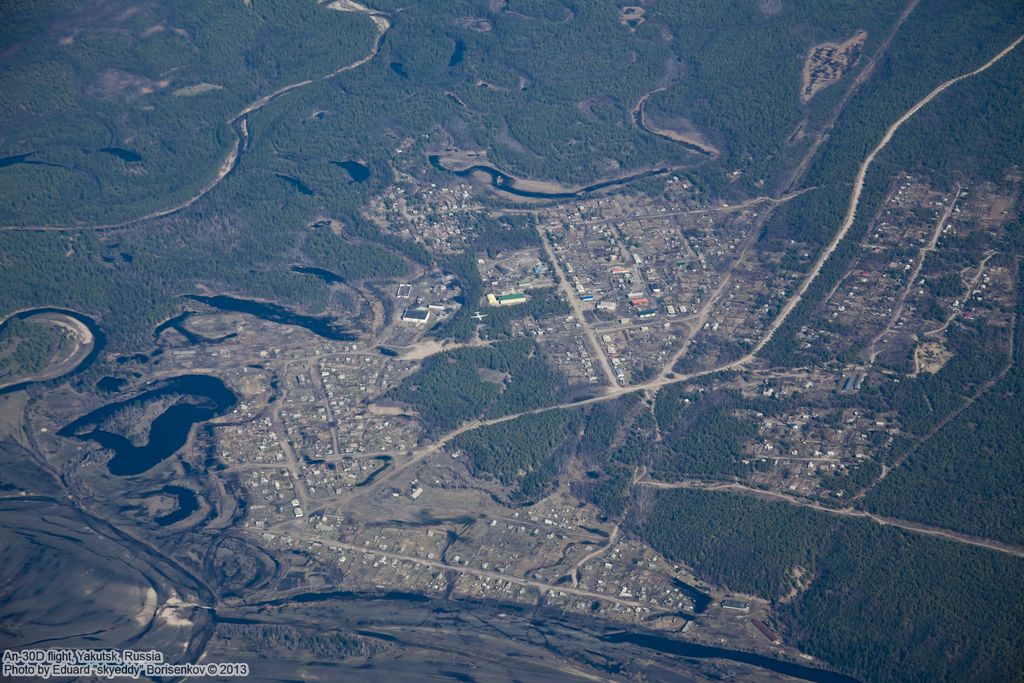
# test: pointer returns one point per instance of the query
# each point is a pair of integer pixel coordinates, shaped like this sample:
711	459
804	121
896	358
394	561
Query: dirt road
858	188
577	310
471	571
901	301
914	527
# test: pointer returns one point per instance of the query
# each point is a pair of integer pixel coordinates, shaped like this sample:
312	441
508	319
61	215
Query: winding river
688	141
507	184
689	650
238	123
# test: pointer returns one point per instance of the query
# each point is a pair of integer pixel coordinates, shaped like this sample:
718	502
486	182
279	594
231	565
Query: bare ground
828	62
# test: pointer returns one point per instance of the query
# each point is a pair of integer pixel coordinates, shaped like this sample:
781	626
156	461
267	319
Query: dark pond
399	69
24	159
187	504
99	341
400	596
15	159
695	651
296	183
701	600
458	54
359	172
177	323
167	433
325	275
123	154
322	326
376	473
506	183
109	385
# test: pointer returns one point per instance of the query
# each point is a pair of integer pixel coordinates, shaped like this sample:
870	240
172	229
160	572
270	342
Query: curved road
858	188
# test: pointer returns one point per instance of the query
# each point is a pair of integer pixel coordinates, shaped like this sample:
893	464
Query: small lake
322	326
110	385
399	69
188	503
16	159
377	472
324	275
358	172
167	433
458	54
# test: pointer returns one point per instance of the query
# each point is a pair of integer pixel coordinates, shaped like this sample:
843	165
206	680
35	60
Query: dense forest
526	454
124	119
967	475
485	382
703	432
874	601
26	347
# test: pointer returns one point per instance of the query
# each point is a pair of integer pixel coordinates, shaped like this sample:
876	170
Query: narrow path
713	299
612	538
981	391
970	288
724	208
